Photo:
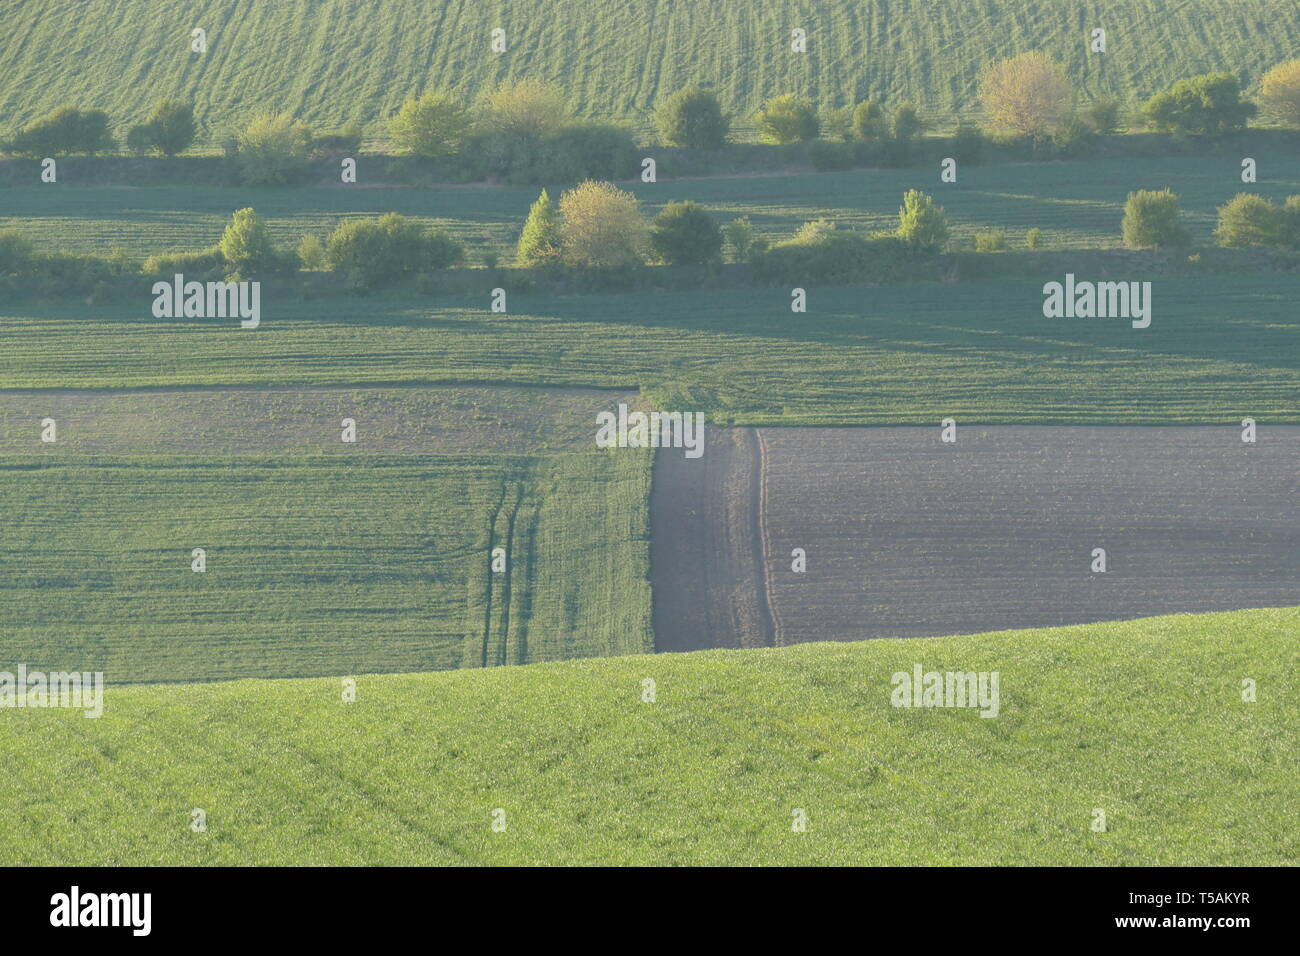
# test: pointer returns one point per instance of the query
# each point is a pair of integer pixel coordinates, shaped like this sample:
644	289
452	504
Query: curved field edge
1142	719
1217	349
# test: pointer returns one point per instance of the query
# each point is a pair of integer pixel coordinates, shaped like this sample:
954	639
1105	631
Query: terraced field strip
1077	204
1217	349
317	561
907	536
403	420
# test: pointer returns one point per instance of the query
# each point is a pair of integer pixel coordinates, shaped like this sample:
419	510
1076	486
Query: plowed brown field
908	536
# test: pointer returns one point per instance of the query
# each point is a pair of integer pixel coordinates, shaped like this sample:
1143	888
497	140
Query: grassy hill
1142	719
355	60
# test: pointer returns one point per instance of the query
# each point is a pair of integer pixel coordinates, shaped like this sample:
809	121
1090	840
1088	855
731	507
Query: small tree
169	130
529	110
311	253
1151	220
740	237
1280	93
906	124
1209	105
601	227
1249	219
922	224
273	149
692	117
787	119
434	125
869	122
246	245
1027	95
684	233
540	240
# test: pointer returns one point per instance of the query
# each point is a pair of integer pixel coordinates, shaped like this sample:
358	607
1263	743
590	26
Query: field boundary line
762	544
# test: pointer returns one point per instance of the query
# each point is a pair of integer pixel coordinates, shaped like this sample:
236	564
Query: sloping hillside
358	59
1142	720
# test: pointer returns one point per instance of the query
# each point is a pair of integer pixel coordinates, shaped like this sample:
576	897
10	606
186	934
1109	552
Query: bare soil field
706	556
908	536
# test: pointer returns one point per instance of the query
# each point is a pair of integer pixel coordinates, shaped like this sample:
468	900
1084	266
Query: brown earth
705	550
907	536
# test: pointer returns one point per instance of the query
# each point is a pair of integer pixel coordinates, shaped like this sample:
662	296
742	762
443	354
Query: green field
1076	204
1217	349
1142	719
333	61
318	563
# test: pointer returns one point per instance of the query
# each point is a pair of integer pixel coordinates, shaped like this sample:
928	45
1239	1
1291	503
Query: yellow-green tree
1280	93
602	227
1029	95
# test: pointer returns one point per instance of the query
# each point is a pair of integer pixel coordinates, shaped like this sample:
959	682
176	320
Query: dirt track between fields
907	536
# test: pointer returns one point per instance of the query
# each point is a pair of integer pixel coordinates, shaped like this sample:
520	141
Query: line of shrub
523	131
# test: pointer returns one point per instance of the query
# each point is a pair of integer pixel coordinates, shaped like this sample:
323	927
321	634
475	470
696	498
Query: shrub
370	250
1291	222
922	224
540	241
821	253
740	238
1073	137
66	130
907	124
869	122
169	130
346	142
204	262
991	240
17	254
1280	93
684	233
968	144
434	125
1151	220
246	244
580	150
1034	238
692	117
824	155
601	227
528	110
1209	105
1250	220
787	119
311	253
1026	95
1101	116
272	149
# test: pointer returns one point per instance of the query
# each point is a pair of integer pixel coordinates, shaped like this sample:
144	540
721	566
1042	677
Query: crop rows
352	60
314	565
